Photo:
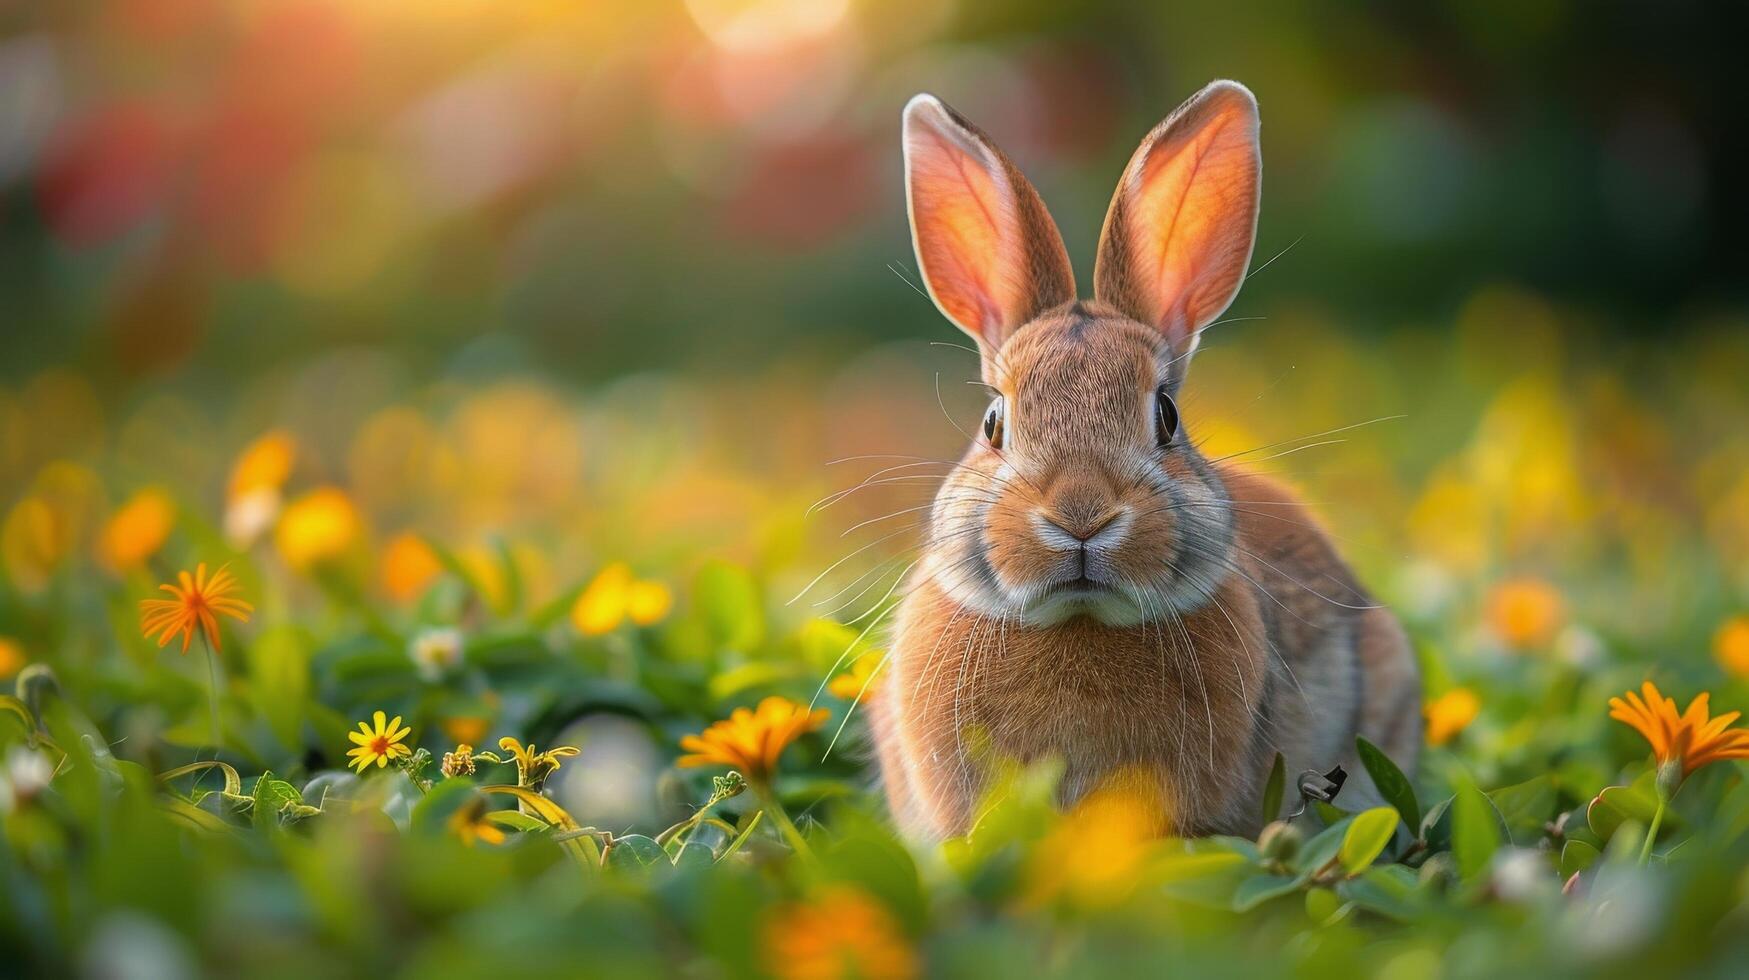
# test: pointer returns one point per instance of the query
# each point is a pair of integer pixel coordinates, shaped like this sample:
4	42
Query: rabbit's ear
1178	237
990	254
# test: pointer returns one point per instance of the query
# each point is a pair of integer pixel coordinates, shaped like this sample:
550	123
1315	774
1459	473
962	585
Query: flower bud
1280	841
1669	778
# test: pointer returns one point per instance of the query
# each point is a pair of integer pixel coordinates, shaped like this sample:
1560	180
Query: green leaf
517	820
741	838
1322	849
1272	790
1475	831
1576	856
273	796
726	599
1526	806
1257	889
279	682
1617	805
1366	838
431	814
1388	890
635	852
1436	826
1391	782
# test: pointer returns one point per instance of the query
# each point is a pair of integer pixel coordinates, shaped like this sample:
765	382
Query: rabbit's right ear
991	256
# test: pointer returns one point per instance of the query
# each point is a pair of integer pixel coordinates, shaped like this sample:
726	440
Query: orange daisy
1690	739
196	606
751	741
842	933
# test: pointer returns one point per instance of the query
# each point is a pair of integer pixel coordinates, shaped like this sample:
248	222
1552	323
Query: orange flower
1525	613
468	729
1450	713
751	741
471	824
137	530
1690	739
842	933
11	657
195	607
264	464
1731	646
855	684
409	567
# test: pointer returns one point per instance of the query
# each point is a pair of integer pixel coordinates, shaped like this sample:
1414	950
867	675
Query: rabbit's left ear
1178	237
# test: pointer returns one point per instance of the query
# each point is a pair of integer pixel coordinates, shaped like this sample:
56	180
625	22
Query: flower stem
1652	831
769	802
212	681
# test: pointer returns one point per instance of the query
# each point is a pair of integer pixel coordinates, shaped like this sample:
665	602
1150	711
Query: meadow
423	557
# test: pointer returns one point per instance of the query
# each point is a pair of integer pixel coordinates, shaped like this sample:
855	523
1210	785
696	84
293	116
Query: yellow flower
842	933
647	602
856	684
196	606
458	763
470	823
264	464
1450	713
409	567
137	530
532	768
751	741
614	596
1731	646
316	527
1690	739
33	540
1525	613
11	657
378	745
602	605
1112	833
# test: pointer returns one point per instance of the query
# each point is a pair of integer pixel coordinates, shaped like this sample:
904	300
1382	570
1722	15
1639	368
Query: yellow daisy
378	746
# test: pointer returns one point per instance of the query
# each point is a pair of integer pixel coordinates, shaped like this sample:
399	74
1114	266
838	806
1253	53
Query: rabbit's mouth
1081	595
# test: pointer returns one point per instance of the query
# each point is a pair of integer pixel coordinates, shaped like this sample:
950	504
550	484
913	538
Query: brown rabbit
1092	588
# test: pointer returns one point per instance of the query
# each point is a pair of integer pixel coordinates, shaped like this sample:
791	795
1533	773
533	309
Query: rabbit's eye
1165	417
993	424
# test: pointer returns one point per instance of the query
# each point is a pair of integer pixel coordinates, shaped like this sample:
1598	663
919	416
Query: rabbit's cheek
1015	554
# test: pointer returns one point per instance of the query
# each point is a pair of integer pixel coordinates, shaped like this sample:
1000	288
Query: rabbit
1092	589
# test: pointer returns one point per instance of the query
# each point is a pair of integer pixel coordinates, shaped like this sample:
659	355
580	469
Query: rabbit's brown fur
1093	589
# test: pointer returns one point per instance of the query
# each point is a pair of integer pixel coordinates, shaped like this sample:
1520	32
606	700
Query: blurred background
617	280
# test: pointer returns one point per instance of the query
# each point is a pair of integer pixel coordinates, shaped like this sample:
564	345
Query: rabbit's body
1093	589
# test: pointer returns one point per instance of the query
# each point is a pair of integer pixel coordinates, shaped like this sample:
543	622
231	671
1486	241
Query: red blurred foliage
802	193
106	171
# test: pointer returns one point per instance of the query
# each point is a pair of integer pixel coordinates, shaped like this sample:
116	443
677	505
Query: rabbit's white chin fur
1043	605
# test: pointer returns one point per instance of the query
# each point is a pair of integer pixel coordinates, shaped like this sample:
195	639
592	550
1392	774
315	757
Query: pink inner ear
1192	214
962	214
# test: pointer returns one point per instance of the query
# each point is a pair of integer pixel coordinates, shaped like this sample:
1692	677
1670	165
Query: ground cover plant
457	460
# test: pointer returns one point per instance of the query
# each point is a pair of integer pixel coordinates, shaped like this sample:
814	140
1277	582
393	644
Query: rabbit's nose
1080	508
1082	529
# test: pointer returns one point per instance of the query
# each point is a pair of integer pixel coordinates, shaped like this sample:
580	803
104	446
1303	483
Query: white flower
25	774
249	515
1523	875
435	652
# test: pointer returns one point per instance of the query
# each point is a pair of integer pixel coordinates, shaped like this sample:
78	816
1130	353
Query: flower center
380	745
